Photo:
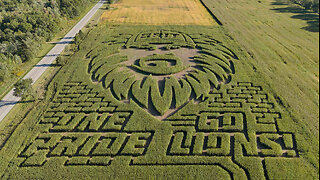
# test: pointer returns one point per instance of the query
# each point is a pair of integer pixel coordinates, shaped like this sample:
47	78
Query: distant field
282	42
159	12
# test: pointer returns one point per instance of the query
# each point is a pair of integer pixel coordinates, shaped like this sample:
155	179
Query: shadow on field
302	14
8	103
46	65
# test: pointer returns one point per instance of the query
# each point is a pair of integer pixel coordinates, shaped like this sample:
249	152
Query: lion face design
161	71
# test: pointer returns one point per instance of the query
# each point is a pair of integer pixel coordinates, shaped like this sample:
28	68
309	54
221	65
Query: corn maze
203	73
93	126
177	105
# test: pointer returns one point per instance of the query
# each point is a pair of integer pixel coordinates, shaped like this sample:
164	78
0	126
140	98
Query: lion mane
212	68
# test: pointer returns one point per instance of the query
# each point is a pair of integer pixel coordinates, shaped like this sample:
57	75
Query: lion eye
160	64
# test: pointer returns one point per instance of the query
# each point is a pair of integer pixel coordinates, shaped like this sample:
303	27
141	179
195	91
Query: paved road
8	102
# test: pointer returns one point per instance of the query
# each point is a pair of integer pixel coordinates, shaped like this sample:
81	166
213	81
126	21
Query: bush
62	60
79	37
24	88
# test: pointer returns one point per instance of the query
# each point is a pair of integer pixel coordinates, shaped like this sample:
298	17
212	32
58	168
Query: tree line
26	24
308	4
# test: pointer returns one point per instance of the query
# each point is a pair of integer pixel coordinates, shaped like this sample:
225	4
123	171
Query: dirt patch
185	54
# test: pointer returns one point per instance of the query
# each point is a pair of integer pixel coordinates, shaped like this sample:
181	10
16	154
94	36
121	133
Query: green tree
24	89
3	72
25	27
79	37
61	60
26	24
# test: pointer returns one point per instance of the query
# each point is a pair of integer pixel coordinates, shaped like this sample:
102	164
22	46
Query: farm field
159	12
282	44
179	101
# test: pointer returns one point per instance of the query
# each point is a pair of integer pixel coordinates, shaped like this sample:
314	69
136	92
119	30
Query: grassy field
158	12
179	102
281	41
